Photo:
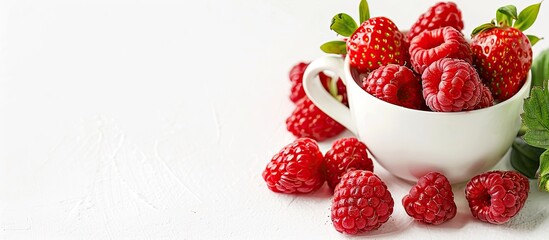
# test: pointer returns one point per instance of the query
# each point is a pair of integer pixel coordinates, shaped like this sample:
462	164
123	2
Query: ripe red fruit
346	154
377	42
503	57
395	84
431	200
442	14
497	196
296	168
361	203
297	91
451	85
436	44
307	120
486	99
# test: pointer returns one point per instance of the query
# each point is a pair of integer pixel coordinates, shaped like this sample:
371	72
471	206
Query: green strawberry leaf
343	24
540	68
506	14
364	11
482	28
533	39
527	17
335	47
543	172
525	158
536	118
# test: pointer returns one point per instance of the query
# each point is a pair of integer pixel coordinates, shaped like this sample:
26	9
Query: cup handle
320	97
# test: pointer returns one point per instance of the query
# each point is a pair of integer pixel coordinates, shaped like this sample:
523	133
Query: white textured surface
154	120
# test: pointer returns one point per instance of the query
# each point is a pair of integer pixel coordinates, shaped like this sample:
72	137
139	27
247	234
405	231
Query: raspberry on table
444	42
497	196
451	85
361	203
441	14
307	120
431	200
346	154
395	84
296	168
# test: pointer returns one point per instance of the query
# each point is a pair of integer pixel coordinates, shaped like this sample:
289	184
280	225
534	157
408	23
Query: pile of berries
432	67
433	64
362	201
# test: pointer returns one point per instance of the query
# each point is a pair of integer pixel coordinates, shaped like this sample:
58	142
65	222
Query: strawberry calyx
507	16
345	25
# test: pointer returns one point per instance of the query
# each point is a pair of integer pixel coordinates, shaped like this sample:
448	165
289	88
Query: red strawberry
307	120
297	91
502	53
442	14
377	42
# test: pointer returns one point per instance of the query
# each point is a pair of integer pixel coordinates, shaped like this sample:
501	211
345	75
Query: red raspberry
451	85
346	154
497	196
361	202
486	100
436	44
296	168
297	91
394	84
441	14
307	120
431	200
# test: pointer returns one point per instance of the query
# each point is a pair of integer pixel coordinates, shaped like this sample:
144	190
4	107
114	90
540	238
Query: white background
154	120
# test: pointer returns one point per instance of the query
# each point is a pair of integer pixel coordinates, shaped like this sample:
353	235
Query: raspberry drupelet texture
441	14
307	120
395	84
296	168
346	154
497	196
486	100
451	85
436	44
431	200
361	203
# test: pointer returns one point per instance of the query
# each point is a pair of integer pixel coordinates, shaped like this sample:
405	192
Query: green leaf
525	158
536	118
540	68
527	17
335	47
533	39
343	24
364	11
506	14
543	172
482	28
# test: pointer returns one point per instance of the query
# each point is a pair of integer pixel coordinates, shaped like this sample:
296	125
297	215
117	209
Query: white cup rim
525	87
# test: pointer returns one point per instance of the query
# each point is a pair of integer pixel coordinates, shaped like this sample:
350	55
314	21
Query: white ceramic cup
409	143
